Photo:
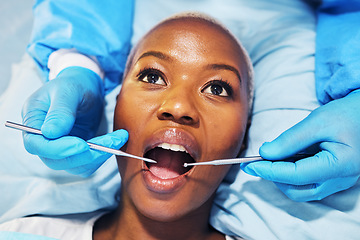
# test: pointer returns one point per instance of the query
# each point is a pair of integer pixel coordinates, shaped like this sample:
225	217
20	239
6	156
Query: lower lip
162	186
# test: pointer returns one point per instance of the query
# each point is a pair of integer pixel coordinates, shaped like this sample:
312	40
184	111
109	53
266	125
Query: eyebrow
163	56
225	67
156	54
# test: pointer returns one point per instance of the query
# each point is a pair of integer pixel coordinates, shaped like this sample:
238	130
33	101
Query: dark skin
186	87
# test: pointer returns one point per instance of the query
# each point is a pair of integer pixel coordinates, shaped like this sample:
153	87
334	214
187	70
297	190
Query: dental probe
91	145
244	160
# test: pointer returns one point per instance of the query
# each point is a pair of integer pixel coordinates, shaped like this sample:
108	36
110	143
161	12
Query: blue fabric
21	236
337	49
99	28
279	35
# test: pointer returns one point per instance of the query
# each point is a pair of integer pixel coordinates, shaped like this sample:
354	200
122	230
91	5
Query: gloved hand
68	111
336	167
73	154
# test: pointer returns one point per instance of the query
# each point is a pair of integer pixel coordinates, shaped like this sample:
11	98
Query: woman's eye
218	88
152	78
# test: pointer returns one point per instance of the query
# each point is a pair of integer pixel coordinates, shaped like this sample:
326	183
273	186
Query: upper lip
174	136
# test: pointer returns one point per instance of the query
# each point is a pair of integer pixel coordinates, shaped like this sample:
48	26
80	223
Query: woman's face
184	99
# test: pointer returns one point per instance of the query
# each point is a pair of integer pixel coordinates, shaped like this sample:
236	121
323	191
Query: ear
245	140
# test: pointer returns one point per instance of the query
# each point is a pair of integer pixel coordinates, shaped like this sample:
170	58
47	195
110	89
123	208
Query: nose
178	107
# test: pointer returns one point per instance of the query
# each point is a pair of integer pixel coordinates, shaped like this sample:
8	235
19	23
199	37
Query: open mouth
170	160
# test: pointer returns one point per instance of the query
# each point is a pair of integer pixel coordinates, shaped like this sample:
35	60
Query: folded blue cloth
337	55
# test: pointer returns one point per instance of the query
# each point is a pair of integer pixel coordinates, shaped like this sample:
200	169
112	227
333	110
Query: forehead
192	39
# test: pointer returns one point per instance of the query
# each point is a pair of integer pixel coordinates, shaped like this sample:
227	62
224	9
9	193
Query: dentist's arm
72	103
335	126
95	29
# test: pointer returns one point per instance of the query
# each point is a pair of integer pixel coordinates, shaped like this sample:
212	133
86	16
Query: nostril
176	116
166	115
187	118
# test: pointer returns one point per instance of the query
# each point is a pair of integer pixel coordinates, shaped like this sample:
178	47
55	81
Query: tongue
169	163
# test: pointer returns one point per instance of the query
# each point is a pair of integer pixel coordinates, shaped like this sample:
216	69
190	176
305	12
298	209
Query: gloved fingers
51	111
89	160
296	139
61	115
54	149
35	109
77	107
72	161
76	93
316	191
319	168
114	139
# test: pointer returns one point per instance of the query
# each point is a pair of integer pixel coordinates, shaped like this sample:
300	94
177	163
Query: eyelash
223	83
147	71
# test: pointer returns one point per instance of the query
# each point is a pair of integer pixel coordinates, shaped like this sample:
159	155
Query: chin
165	212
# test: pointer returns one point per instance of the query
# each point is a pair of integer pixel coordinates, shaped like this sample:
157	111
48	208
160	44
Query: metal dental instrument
244	160
92	145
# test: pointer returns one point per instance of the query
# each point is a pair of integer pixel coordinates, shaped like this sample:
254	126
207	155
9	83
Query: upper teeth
172	147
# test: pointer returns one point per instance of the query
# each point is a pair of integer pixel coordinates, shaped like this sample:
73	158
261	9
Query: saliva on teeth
172	147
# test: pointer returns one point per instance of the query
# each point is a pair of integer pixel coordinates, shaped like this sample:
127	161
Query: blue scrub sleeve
337	49
96	28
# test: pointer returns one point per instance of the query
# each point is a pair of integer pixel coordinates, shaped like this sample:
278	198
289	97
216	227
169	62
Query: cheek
206	180
128	169
136	113
131	112
120	111
226	132
127	117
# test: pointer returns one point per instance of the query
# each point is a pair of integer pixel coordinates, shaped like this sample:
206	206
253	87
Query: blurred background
15	30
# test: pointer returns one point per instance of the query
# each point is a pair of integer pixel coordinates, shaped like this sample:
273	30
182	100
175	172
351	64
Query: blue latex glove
336	128
68	111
